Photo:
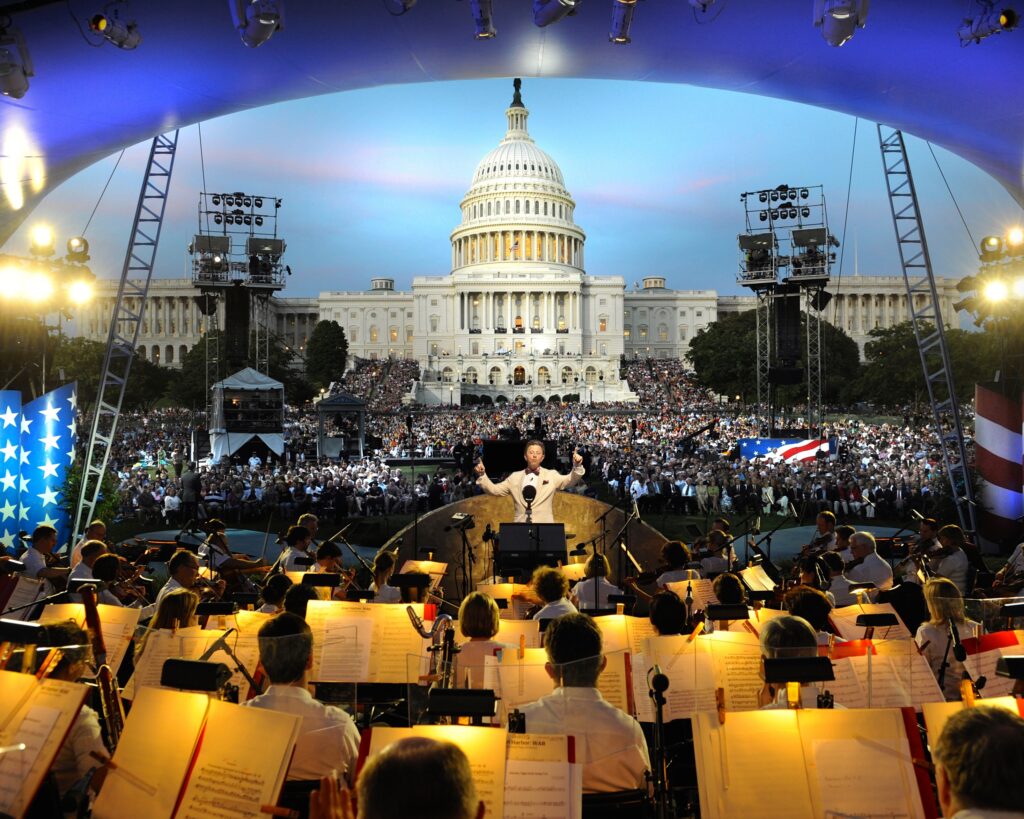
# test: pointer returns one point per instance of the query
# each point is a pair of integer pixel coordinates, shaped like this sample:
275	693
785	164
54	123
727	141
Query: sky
371	181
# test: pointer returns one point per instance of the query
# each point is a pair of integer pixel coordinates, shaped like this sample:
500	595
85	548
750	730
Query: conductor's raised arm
487	485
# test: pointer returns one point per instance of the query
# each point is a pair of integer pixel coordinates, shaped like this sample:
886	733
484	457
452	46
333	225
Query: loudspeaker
786	303
784	376
820	299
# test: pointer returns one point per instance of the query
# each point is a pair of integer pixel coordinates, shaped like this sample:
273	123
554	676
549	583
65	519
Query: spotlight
1015	238
247	220
259	221
15	64
839	19
10	280
482	19
622	20
792	194
805	212
996	290
775	196
123	35
41	241
229	201
546	12
80	292
217	258
762	196
218	219
775	214
256	20
1018	287
991	248
792	213
37	287
804	193
78	250
216	200
247	202
988	21
258	202
763	215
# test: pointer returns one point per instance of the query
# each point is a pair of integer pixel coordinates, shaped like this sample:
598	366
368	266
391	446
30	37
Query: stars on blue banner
10	466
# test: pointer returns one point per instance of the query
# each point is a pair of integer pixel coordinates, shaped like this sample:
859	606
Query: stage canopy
247	405
906	69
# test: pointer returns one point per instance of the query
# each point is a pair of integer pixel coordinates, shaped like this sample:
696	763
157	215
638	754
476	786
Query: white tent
229	434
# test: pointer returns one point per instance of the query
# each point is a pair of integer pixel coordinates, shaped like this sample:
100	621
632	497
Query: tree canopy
326	353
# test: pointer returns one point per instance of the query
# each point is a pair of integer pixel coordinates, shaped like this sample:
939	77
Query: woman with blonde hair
383	567
176	610
592	592
479	619
933	638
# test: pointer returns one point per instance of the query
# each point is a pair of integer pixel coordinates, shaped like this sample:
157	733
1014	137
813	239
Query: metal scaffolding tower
126	321
926	318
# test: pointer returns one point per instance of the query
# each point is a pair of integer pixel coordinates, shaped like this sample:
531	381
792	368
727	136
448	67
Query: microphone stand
658	685
42	601
221	644
350	547
768	557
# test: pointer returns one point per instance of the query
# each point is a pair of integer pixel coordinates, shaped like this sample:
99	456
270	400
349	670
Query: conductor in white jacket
545	481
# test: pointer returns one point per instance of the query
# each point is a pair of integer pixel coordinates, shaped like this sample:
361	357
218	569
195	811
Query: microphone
417	621
916	515
220	644
11	566
529	493
658	681
958	648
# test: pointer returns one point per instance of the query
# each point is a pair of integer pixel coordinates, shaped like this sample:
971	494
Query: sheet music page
613	632
614	683
510	630
34	729
737	663
844	620
26	590
752	766
703	592
251	620
756	578
523	680
539	781
247	650
485	748
690	673
241	763
160	646
896	682
846	688
516	609
345	650
983	663
936	713
118	624
153	754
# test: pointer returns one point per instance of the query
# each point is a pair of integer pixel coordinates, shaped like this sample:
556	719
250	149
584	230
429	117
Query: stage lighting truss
257	20
483	19
44	285
237	242
15	62
114	30
988	19
839	19
546	12
622	21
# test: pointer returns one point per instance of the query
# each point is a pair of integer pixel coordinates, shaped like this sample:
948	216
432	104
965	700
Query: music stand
528	545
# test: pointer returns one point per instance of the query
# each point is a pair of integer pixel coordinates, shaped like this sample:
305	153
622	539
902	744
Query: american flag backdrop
784	449
37	446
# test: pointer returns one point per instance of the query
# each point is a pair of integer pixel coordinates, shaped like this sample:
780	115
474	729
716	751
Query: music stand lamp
869	622
798	670
474	704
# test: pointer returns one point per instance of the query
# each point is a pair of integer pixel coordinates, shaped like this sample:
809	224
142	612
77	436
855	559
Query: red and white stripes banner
999	455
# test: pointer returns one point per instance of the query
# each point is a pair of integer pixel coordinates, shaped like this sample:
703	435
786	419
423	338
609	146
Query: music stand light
461	702
798	669
1012	667
216	608
727	611
869	622
194	675
329	579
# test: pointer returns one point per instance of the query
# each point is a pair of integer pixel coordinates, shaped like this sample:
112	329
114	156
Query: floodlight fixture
257	20
1017	287
991	248
996	291
483	19
989	20
258	201
37	287
546	12
839	19
15	64
1015	239
42	241
622	21
756	241
810	237
80	292
123	35
204	243
78	250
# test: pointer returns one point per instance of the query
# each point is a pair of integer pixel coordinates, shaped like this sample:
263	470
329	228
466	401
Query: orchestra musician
813	606
592	592
328	561
548	589
867	565
1009	580
945	607
785	637
667	613
675	558
329	739
214	551
950	560
96	530
479	618
38	559
545	481
839	584
842	547
815	574
718	557
184	570
311	523
610	743
383	567
273	593
298	540
93	551
824	536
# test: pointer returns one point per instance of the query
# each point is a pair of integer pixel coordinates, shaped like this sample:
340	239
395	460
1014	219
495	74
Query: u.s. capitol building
517	315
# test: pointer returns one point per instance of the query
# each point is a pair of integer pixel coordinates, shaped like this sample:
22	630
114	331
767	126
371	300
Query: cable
202	158
81	31
707	20
955	204
846	217
96	206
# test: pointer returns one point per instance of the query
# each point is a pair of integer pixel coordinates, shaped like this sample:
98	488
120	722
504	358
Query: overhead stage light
991	248
37	287
257	20
546	12
622	21
78	250
80	292
1015	239
989	20
1018	287
41	241
996	290
839	19
15	64
123	35
483	19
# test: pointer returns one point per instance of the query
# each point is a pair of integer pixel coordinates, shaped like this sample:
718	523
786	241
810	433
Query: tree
81	360
147	384
326	353
724	356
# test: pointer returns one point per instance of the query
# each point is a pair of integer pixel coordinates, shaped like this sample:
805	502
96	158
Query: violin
853	564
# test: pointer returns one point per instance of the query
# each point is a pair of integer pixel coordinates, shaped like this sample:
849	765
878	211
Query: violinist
814	607
824	536
667	613
38	557
867	565
842	546
90	550
312	524
950	560
838	585
928	538
105	569
716	558
184	570
97	530
815	574
298	540
273	593
215	551
328	561
675	557
593	592
1010	578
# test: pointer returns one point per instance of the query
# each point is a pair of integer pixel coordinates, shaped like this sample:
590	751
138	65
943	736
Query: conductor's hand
480	469
577	459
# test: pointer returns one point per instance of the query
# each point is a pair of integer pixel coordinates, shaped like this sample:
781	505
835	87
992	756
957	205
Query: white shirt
167	588
387	594
556	609
291	555
610	743
953	568
599	587
172	503
81	572
34	562
219	556
328	738
676	575
934	639
470	660
73	760
840	591
874	569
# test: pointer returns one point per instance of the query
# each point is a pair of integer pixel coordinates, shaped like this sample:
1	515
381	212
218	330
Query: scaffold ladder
926	318
125	322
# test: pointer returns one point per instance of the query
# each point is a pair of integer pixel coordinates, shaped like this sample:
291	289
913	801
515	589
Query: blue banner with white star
10	469
47	449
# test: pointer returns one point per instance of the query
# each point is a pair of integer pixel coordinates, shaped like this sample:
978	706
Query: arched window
494	377
519	375
627	330
471	375
662	332
182	352
682	332
433	323
508	207
602	324
373	333
561	322
527	205
545	208
353	333
543	376
517	206
447	375
155	358
590	376
393	334
519	322
567	375
643	332
488	208
168	354
536	206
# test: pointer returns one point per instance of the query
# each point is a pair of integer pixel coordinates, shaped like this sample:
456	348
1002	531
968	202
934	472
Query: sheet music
615	683
984	663
757	579
539	778
117	623
845	622
737	668
345	652
691	678
250	620
622	632
896	682
516	609
246	648
26	590
703	592
936	713
16	767
435	569
846	688
863	779
160	646
524	680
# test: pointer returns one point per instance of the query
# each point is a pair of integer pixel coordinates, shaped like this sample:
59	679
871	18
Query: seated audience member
667	613
413	778
781	638
548	589
814	607
839	586
979	764
592	592
297	598
870	566
329	739
610	743
945	607
74	761
273	593
383	568
479	618
297	557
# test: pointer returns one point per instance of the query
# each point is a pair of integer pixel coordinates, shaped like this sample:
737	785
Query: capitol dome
517	208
